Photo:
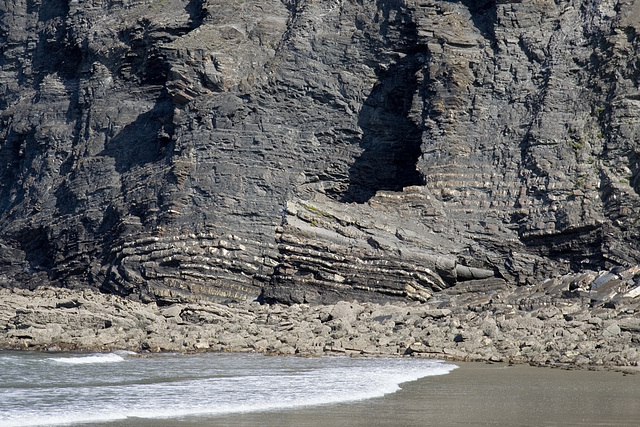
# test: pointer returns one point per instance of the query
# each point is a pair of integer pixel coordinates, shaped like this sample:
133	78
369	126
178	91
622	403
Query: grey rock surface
315	151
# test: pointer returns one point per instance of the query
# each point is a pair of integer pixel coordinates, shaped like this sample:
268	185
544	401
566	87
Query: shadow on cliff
391	140
196	12
54	53
141	141
483	15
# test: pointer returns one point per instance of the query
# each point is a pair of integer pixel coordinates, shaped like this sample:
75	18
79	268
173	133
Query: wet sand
475	394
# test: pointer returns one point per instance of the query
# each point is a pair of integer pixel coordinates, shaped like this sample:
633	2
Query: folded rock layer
315	150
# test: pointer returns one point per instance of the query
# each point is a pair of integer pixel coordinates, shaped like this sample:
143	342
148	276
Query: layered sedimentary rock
310	151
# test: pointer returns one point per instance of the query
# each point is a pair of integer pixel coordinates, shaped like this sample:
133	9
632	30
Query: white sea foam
58	419
179	386
125	352
89	359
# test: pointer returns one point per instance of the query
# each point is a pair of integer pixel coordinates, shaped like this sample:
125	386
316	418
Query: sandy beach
475	394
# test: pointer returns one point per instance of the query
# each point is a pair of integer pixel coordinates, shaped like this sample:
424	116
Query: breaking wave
96	388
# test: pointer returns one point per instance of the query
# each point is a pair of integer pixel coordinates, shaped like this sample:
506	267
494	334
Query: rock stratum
311	151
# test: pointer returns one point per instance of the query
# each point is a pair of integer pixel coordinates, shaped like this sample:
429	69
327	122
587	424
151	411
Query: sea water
57	389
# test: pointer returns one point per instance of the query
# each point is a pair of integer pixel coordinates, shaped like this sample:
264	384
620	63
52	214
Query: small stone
611	330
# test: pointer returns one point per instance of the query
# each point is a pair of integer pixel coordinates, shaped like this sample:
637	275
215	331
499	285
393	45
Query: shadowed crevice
391	140
483	15
142	141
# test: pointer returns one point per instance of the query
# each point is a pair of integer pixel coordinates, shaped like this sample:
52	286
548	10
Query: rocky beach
419	178
560	322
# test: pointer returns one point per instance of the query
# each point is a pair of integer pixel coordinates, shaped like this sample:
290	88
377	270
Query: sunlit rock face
311	151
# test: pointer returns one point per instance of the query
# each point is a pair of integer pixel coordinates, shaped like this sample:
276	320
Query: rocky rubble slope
559	323
316	150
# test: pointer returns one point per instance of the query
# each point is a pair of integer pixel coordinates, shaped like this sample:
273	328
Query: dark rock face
310	151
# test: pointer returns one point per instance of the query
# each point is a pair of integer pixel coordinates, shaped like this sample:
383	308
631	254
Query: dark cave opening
391	140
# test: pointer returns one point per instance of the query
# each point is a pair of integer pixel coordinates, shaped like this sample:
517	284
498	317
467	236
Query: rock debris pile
584	320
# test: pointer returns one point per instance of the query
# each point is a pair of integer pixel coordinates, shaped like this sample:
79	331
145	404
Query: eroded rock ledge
583	320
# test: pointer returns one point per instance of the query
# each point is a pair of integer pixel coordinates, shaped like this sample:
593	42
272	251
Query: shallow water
45	389
124	389
476	394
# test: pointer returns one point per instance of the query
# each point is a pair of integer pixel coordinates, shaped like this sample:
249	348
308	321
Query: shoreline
509	325
474	394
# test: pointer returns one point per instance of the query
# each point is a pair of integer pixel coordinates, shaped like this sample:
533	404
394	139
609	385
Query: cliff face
314	150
